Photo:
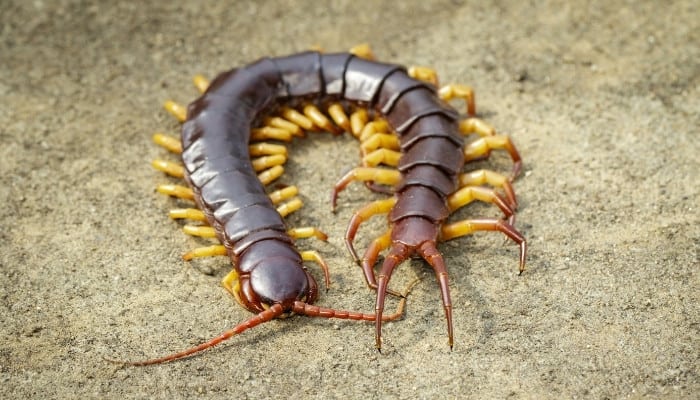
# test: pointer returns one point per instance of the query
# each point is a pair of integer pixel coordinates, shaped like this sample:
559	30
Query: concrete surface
602	100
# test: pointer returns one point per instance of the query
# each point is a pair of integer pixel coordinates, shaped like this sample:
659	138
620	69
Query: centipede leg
449	92
363	51
398	253
379	140
466	227
319	119
468	194
358	120
187	213
201	83
482	176
179	191
425	74
209	251
362	215
339	117
289	207
374	136
199	231
270	174
380	175
381	156
481	148
434	258
170	143
173	169
176	110
307	232
311	255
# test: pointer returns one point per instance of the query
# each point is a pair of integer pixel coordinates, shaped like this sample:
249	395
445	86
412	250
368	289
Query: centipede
412	146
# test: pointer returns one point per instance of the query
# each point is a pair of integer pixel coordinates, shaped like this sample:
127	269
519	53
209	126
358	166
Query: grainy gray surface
602	99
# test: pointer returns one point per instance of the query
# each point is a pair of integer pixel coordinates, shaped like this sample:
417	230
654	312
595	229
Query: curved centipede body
230	124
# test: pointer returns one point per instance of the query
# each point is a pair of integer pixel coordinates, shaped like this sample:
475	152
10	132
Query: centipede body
269	277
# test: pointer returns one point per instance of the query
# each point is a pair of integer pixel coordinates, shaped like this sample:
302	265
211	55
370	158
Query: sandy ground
602	100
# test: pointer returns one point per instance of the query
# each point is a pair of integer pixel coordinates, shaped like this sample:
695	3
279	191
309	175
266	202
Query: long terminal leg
430	254
370	258
398	253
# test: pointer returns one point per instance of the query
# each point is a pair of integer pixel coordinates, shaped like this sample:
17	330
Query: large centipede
238	108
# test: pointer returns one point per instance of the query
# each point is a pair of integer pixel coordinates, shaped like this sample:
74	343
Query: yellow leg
311	255
482	146
449	92
379	175
363	51
178	191
484	176
233	285
339	117
271	174
176	110
424	74
380	140
469	226
199	231
266	149
377	126
381	156
289	207
475	125
268	132
266	162
168	142
468	194
210	251
170	168
358	120
307	232
296	117
362	215
319	119
187	213
283	194
281	123
201	83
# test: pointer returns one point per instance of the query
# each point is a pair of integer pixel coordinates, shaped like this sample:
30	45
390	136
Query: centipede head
276	280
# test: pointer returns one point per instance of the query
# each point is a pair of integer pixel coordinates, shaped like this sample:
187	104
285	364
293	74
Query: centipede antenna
255	320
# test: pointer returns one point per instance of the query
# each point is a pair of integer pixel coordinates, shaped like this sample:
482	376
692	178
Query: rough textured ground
603	101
